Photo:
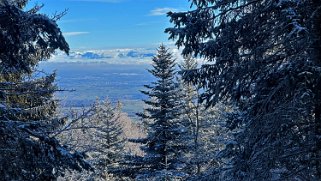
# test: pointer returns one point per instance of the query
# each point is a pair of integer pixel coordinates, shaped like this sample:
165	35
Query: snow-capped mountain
114	56
120	56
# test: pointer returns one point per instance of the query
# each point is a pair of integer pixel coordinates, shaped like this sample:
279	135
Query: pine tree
265	57
164	146
27	110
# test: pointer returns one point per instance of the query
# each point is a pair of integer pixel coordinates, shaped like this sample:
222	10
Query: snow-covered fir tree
165	144
109	138
99	134
205	126
27	110
191	113
265	56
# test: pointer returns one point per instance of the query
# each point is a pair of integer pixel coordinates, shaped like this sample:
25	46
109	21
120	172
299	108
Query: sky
106	24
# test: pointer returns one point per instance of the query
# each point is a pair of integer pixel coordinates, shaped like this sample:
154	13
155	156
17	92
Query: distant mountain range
113	56
108	54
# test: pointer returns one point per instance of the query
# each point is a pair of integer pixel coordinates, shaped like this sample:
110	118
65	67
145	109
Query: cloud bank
161	11
112	56
75	33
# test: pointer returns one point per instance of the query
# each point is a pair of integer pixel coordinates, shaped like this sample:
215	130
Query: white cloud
112	56
161	11
75	33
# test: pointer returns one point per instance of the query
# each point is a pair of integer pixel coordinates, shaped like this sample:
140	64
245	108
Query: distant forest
252	111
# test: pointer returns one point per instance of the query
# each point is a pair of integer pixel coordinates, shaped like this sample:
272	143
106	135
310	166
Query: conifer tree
265	57
109	138
27	111
100	134
164	146
205	127
191	113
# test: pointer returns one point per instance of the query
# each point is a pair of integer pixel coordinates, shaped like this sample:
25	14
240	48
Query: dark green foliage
27	111
27	153
28	99
265	57
164	146
27	38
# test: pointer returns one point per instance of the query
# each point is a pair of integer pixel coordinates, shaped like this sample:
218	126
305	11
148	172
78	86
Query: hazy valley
92	80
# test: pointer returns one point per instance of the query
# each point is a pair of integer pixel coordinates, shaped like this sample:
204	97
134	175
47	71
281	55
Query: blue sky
104	24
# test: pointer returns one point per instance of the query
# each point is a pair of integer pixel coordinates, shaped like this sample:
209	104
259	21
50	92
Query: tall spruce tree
164	146
27	110
265	56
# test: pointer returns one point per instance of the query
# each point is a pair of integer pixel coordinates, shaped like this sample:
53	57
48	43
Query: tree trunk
316	55
197	129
